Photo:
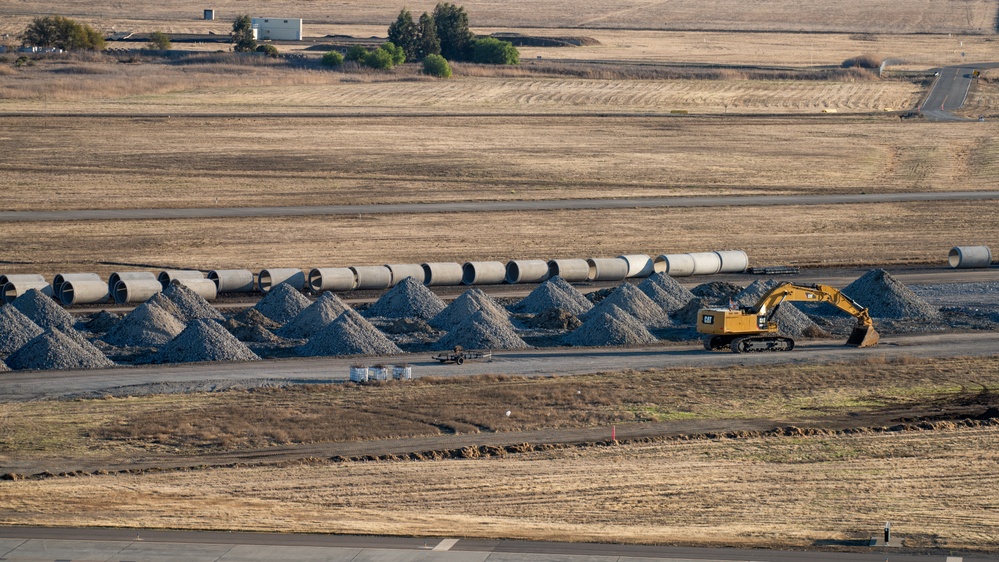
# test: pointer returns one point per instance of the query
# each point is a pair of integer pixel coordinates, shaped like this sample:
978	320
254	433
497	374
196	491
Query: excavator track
762	344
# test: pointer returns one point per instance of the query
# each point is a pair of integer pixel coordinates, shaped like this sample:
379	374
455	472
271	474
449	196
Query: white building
279	29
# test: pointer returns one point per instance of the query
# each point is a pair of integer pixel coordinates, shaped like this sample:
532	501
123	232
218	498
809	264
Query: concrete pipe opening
483	273
17	287
732	261
122	275
572	270
705	263
269	278
371	277
400	271
606	269
168	275
23	277
128	291
232	280
675	265
969	256
331	279
639	265
526	271
442	273
62	278
204	287
84	291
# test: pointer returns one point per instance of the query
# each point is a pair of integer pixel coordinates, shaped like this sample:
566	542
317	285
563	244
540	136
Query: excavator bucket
864	336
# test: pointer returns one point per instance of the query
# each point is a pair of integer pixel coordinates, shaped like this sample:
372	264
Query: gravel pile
553	319
253	317
3	367
485	329
349	334
633	301
791	321
44	311
718	292
146	326
161	300
204	340
252	333
408	299
666	292
54	349
315	317
282	303
554	293
190	305
16	329
611	326
687	316
886	297
464	307
102	322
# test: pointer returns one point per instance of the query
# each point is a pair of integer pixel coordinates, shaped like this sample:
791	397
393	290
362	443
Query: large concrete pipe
61	278
639	265
706	263
268	278
168	275
331	279
442	273
675	265
84	291
404	270
7	278
732	261
371	277
606	269
232	280
17	287
136	290
572	270
204	287
483	272
122	275
969	256
526	271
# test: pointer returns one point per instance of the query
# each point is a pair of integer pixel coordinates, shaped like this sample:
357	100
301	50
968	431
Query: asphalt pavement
950	90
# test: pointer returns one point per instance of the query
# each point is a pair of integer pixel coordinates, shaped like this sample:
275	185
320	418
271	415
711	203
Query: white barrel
204	287
526	271
400	271
232	280
331	279
269	278
442	273
371	277
128	291
639	265
969	256
84	291
572	270
483	272
607	269
168	275
706	263
732	261
402	373
120	275
359	374
675	265
61	278
7	278
17	287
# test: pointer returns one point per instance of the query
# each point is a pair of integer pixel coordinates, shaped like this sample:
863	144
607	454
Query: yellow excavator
754	328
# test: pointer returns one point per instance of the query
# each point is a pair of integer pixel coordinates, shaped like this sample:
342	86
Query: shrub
62	33
242	35
356	53
398	54
269	50
159	41
436	65
379	59
333	58
490	50
863	61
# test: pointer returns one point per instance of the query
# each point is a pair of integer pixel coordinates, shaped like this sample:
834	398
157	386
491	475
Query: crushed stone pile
54	349
406	326
718	292
349	334
633	301
666	292
886	297
282	303
44	311
315	317
687	316
611	326
146	326
791	321
102	322
485	329
161	300
253	317
3	367
553	319
465	306
204	340
16	329
408	299
554	293
190	305
252	333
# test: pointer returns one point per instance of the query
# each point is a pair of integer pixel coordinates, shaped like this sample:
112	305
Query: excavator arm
864	334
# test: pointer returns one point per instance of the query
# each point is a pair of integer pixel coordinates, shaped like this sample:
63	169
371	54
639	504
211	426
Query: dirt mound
666	292
189	304
16	329
54	349
553	319
315	317
635	303
252	333
282	303
204	340
408	299
611	326
465	306
485	329
44	311
791	321
146	326
886	297
253	317
349	334
717	291
554	293
102	322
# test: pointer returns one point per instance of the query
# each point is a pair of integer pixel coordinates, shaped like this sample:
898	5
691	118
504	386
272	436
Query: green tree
398	55
404	33
269	50
453	32
62	33
333	59
242	35
429	43
490	50
356	53
436	65
159	41
379	59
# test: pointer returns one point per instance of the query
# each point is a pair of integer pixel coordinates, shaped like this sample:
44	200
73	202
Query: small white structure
209	14
277	29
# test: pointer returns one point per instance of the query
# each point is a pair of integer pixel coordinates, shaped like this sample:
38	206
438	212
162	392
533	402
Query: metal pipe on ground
483	273
732	261
128	291
526	271
607	269
331	279
674	265
639	265
168	275
84	291
371	277
204	287
269	278
61	278
572	270
400	271
232	280
122	275
17	287
706	263
963	257
442	273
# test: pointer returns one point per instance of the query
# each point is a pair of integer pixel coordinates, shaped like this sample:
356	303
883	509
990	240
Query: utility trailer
459	355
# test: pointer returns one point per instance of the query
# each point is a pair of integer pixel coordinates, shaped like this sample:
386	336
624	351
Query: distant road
950	90
493	206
